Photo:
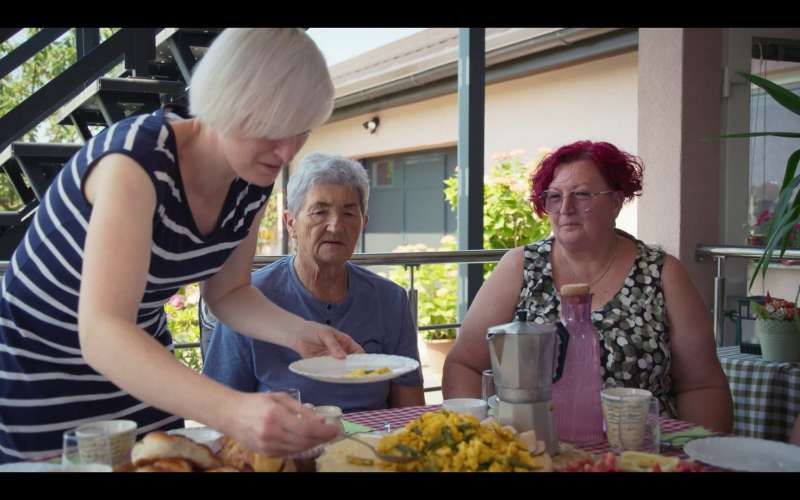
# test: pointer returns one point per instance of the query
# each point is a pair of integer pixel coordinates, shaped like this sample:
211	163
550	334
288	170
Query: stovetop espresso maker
526	359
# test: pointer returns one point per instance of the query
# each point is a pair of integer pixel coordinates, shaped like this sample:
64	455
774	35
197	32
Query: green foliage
436	289
508	219
27	79
34	74
786	215
268	230
184	324
508	222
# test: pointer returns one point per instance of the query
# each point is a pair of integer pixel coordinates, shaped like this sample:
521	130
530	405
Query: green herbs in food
359	461
406	450
448	438
514	462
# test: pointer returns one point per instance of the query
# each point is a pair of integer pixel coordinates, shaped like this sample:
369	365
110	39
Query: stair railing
135	46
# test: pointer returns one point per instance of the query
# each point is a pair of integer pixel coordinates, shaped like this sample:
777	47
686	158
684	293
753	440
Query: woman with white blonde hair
153	203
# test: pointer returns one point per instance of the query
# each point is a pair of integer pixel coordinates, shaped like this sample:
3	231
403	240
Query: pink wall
680	75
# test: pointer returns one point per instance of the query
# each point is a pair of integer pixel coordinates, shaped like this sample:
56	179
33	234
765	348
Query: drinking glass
75	458
487	385
292	392
105	443
632	419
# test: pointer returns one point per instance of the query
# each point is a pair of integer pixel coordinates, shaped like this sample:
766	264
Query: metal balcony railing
720	253
410	260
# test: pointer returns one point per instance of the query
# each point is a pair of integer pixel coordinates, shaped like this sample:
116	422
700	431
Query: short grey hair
267	83
319	168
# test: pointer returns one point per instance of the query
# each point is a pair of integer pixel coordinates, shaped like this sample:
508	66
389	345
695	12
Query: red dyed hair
622	171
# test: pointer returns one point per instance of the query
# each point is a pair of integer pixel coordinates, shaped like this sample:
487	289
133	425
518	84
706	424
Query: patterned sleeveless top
633	326
46	387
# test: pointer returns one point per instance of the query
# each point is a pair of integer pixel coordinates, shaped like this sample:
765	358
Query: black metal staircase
157	66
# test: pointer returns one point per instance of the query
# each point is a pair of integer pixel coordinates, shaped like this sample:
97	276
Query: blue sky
339	44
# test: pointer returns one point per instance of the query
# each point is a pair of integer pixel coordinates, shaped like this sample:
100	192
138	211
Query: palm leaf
786	213
778	234
791	168
782	95
784	219
792	135
783	203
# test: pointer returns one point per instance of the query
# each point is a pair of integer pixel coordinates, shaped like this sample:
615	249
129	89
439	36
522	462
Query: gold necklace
608	267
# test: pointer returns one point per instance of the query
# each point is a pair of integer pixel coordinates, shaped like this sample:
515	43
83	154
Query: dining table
675	433
766	394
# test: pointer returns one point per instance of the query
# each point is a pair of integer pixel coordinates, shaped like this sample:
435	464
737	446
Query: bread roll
224	468
160	445
168	465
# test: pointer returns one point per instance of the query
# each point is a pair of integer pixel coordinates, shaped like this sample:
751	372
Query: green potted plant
778	329
436	304
786	214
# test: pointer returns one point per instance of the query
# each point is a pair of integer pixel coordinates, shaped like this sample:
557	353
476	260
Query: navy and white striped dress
46	387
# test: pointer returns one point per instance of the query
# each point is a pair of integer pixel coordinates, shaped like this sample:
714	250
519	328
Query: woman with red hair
655	331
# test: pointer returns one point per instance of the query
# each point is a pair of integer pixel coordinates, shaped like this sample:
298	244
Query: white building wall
596	100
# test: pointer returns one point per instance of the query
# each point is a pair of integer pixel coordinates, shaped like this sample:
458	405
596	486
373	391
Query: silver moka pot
525	365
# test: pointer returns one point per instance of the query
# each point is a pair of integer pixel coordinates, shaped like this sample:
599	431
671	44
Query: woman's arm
794	437
244	309
700	385
115	268
493	305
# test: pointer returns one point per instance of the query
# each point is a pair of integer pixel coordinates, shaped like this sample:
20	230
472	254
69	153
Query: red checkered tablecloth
398	417
395	417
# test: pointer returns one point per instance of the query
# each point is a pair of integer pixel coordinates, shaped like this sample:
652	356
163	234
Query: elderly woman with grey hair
327	210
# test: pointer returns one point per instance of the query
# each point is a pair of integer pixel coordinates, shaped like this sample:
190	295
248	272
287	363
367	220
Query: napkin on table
352	427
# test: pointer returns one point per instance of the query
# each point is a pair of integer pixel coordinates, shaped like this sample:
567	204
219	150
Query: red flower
763	217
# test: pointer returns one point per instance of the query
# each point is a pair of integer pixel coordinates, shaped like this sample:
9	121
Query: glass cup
332	414
73	461
487	385
292	392
98	446
632	421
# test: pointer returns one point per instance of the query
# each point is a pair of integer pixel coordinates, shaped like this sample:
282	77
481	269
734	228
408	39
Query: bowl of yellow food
441	441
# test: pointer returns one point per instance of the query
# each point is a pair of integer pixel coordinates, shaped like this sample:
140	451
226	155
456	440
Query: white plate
51	467
330	369
745	454
203	435
30	467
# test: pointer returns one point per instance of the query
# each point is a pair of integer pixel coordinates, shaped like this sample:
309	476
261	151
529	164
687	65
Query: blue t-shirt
375	314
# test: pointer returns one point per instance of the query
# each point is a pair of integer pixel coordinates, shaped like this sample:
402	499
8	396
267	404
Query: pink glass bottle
576	395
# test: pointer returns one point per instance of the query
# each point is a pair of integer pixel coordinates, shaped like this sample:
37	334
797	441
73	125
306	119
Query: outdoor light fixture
372	125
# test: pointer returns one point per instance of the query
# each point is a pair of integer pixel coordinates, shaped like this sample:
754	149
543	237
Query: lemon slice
637	461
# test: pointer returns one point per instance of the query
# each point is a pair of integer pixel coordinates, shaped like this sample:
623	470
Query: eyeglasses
553	200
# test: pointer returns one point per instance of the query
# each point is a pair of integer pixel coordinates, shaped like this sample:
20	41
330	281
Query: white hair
319	168
267	83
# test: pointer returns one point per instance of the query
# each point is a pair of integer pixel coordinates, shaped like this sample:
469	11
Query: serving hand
323	340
